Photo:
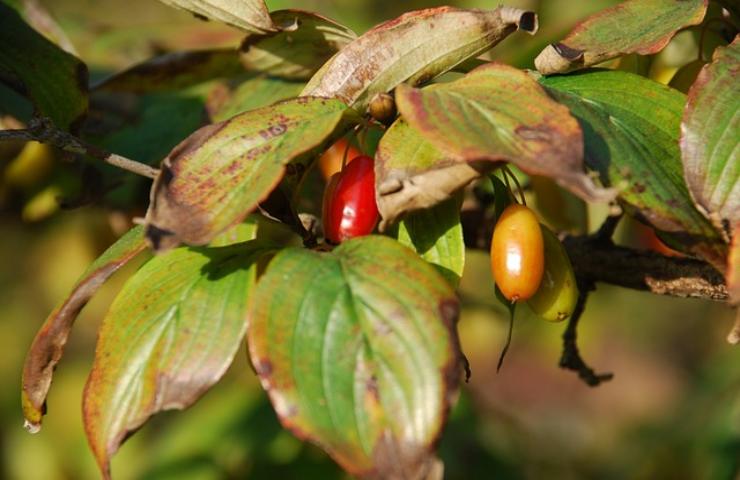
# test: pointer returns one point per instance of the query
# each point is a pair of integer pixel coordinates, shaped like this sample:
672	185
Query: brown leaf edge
567	153
392	459
561	58
172	71
47	347
192	226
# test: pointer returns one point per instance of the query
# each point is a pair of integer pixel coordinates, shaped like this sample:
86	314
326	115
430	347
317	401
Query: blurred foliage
672	411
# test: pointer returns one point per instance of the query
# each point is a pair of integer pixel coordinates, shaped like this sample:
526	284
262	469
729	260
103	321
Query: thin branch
571	357
595	261
42	130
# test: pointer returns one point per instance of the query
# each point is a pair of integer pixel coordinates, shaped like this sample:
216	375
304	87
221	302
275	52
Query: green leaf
248	15
411	174
171	333
48	345
631	129
498	113
174	71
256	92
413	48
305	42
634	26
436	235
360	361
710	137
54	80
219	174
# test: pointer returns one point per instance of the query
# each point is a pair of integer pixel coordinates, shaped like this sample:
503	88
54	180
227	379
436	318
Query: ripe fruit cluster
530	264
349	209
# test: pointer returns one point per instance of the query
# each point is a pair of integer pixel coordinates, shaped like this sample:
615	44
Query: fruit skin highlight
349	202
517	253
557	296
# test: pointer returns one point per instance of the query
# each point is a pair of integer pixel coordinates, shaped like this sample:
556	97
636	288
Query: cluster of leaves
364	362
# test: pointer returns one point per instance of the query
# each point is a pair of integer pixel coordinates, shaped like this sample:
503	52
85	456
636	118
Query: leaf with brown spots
305	42
710	138
634	26
171	333
248	15
631	129
411	174
414	48
498	113
48	345
219	174
363	363
54	80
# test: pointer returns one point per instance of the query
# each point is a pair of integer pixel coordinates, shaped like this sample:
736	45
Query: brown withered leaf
48	345
219	174
634	26
411	174
498	113
414	48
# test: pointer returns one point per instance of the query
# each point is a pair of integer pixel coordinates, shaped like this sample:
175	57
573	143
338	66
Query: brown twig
598	261
42	130
571	357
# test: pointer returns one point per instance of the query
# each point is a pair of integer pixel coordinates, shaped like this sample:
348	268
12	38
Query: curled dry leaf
635	26
413	48
219	174
304	42
248	15
710	139
498	113
48	345
363	363
412	174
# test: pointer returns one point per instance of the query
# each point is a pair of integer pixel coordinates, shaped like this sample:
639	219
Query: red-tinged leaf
710	138
498	113
54	80
174	71
48	345
635	26
219	174
631	128
363	363
414	48
412	174
248	15
171	333
305	42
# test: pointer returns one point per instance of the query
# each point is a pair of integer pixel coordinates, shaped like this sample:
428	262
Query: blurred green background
671	412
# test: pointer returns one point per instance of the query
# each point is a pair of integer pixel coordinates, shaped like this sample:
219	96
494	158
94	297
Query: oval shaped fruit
350	208
556	298
330	161
517	253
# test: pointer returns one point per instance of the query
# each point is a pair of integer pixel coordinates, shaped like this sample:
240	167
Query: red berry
349	202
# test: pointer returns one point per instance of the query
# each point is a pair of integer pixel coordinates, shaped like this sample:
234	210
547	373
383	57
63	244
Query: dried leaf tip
523	19
31	427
